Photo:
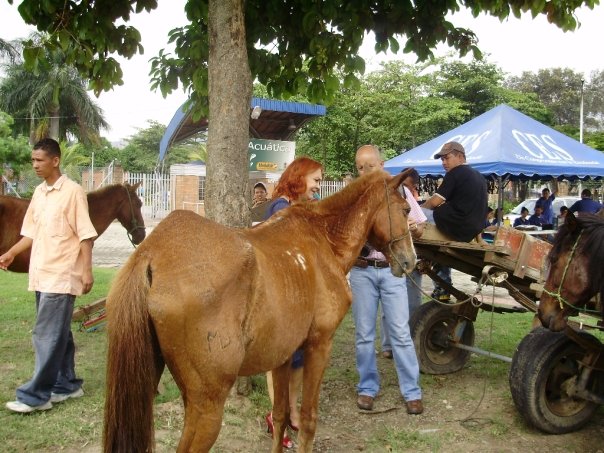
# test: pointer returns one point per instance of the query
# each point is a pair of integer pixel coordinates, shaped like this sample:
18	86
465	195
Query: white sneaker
22	408
60	397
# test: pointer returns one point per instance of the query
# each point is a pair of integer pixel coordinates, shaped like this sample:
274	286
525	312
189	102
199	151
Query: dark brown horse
576	273
214	303
104	206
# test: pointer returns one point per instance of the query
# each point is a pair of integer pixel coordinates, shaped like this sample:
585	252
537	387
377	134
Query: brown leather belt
363	263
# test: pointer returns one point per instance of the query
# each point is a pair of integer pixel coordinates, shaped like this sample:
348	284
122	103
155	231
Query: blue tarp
181	115
504	142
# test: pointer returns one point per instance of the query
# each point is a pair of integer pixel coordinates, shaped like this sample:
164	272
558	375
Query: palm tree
52	101
9	50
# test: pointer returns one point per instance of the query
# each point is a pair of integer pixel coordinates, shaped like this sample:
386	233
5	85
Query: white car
530	205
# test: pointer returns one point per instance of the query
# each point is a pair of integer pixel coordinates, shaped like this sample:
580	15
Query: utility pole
581	114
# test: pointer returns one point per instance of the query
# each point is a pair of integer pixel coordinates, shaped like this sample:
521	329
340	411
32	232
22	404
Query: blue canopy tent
506	144
270	119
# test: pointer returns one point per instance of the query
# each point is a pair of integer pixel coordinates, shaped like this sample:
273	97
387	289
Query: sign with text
270	155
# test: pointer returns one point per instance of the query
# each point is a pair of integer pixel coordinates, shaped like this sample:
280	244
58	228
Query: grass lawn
67	425
77	424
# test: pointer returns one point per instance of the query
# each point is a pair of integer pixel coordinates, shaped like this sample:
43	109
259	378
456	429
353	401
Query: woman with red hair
301	181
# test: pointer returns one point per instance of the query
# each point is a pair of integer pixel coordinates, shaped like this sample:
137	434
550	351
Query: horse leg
204	409
280	404
316	357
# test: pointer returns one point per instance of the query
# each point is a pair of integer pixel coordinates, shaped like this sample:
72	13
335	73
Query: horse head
389	232
571	280
131	216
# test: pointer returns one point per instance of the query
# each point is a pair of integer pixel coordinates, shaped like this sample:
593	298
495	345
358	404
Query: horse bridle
558	294
395	239
134	222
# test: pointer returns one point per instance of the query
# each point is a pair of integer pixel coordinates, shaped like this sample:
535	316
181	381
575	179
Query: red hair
292	183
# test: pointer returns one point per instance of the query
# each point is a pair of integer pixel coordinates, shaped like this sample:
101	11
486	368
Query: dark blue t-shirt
536	220
276	205
585	205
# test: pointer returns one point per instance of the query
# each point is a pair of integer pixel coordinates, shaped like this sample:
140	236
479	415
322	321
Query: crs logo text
542	147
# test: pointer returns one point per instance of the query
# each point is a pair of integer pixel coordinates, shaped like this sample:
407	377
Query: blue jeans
370	286
54	347
414	296
444	272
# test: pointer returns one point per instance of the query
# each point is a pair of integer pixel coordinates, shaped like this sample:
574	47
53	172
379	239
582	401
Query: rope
470	299
393	240
558	294
134	222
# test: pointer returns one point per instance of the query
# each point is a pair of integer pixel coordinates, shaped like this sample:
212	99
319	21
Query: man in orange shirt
58	228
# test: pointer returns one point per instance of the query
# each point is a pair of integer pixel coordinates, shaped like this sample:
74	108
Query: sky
516	45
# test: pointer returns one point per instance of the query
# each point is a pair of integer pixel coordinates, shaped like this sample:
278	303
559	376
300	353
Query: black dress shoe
365	402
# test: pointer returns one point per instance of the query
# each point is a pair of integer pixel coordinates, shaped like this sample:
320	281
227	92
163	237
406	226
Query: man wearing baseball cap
458	208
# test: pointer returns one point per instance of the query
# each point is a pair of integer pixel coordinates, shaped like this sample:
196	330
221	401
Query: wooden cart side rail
81	313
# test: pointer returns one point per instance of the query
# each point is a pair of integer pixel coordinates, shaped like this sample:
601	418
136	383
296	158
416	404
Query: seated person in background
585	204
259	203
523	220
260	194
458	208
537	218
490	218
490	225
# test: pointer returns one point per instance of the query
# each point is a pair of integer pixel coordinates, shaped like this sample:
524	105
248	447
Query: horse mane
351	193
110	188
592	229
330	214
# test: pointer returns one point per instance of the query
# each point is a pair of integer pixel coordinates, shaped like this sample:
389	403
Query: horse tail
133	362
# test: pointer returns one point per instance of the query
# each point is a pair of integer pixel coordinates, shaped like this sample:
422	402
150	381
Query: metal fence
154	191
330	187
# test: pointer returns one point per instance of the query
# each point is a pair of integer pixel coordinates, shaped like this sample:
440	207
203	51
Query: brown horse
214	303
104	206
575	273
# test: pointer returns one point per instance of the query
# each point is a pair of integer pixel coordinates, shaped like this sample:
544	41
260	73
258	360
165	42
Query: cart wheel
431	329
542	364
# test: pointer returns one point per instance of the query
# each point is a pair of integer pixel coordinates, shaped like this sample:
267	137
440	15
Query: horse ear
570	221
135	186
398	179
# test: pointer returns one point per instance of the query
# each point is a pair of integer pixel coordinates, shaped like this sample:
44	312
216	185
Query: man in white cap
459	206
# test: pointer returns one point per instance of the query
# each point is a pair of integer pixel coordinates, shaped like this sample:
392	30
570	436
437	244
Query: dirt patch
464	412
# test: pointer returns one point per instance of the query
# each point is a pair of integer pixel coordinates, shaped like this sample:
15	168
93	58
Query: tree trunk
230	90
53	132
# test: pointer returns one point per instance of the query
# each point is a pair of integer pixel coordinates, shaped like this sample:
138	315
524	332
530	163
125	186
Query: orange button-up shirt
57	221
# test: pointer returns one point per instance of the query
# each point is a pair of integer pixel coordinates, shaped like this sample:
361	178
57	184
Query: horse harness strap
393	240
135	225
558	294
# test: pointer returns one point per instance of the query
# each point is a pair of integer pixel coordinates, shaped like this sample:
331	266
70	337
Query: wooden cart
556	378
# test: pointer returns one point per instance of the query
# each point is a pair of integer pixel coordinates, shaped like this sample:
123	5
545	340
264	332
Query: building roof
277	120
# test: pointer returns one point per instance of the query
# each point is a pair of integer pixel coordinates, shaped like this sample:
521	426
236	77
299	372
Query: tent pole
500	186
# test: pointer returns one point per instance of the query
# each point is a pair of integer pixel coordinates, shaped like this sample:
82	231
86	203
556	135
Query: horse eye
407	211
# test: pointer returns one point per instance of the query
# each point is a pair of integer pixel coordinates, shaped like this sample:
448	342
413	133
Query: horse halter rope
393	240
133	221
558	294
